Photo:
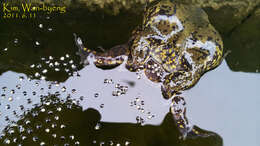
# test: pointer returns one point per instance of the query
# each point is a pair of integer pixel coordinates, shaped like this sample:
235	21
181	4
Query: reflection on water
43	119
227	102
223	101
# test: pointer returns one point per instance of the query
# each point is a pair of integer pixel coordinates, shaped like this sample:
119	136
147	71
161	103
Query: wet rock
244	43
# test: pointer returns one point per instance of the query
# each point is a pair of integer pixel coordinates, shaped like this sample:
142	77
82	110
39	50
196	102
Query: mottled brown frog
175	45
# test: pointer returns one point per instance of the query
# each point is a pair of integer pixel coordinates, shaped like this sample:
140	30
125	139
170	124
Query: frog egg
51	58
98	126
40	25
56	118
63	89
73	91
57	69
37	43
127	143
10	98
42	143
37	74
21	78
7	106
39	66
18	86
32	66
43	78
7	141
101	106
16	41
54	135
35	138
53	125
44	71
47	130
62	126
96	95
73	66
62	58
56	63
71	61
59	109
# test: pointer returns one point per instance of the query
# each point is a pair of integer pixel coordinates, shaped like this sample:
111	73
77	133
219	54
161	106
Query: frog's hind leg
106	59
112	57
83	52
187	130
178	110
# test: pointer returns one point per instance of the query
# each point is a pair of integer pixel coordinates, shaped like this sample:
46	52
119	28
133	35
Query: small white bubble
5	49
67	55
50	57
62	58
50	29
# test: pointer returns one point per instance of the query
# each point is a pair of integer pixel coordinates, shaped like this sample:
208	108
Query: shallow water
223	101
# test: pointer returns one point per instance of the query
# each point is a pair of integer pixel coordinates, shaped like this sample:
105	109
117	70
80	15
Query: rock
244	43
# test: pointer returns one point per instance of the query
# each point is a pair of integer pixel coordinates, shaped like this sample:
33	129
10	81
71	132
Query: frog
173	46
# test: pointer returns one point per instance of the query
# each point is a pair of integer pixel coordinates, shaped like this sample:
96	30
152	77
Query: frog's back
171	25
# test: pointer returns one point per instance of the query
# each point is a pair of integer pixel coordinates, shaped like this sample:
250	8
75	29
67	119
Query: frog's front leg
104	59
